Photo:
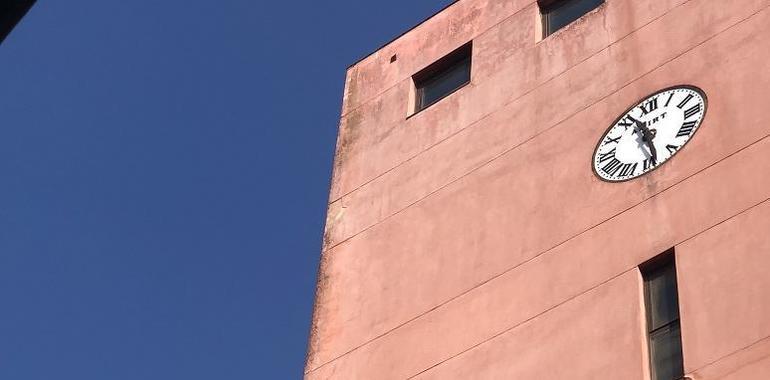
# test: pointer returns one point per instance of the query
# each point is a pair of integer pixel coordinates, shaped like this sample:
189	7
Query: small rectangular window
662	309
442	77
559	13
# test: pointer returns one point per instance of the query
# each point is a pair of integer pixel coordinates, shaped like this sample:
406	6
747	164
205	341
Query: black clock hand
647	136
653	152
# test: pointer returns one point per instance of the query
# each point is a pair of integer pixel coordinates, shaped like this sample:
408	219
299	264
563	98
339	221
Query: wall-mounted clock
649	133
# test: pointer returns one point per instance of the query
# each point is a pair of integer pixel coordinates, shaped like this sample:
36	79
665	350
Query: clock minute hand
647	136
653	151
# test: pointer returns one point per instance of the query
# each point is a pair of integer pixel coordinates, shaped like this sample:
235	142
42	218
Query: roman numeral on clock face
692	111
686	129
610	140
606	156
684	101
650	106
648	163
624	123
612	167
628	169
672	148
670	96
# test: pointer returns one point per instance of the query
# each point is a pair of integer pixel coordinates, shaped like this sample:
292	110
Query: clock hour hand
647	136
653	152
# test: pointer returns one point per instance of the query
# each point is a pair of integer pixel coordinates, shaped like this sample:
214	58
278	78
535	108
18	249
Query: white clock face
649	134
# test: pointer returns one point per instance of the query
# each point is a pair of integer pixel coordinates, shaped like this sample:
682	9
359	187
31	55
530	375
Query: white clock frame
681	116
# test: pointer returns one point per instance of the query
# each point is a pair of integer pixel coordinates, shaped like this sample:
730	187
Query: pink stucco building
513	198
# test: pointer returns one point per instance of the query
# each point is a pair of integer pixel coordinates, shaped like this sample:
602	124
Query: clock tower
557	189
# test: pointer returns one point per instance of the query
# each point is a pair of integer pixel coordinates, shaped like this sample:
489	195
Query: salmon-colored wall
472	240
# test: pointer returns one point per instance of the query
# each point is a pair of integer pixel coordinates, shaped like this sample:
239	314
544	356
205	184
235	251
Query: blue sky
164	169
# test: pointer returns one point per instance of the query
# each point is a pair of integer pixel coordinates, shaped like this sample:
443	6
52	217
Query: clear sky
164	169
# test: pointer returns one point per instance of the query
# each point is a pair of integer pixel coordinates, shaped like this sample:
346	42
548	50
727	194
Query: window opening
662	308
560	13
442	77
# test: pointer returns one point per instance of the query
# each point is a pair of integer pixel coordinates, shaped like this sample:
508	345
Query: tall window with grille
662	308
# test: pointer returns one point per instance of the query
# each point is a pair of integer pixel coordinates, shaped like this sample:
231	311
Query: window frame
662	262
547	7
435	71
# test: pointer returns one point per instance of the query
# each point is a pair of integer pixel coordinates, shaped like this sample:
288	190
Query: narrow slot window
560	13
443	77
662	309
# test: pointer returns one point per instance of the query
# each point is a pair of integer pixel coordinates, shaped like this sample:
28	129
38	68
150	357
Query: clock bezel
635	105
